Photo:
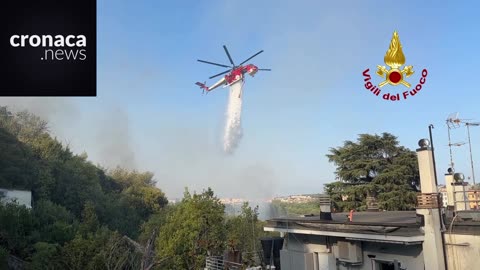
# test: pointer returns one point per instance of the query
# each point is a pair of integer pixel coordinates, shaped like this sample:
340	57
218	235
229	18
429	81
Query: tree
120	254
54	223
46	256
126	178
67	188
155	221
3	258
136	195
16	169
244	232
86	251
373	166
16	226
194	230
90	222
294	208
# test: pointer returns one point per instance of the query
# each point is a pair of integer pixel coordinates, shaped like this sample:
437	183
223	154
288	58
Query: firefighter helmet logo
394	75
394	58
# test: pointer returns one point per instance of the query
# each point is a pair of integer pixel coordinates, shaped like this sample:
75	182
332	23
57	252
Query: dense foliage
79	210
296	208
193	230
86	217
244	231
373	166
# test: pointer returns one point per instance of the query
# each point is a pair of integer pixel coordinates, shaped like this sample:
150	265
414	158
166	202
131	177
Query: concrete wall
464	254
296	246
409	257
306	252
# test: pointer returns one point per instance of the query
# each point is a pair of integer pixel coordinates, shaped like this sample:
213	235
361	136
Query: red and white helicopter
235	73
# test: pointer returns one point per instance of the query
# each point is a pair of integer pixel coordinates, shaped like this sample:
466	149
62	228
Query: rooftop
383	218
387	223
390	226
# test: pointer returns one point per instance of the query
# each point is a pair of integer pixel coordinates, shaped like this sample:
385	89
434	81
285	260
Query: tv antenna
457	144
453	122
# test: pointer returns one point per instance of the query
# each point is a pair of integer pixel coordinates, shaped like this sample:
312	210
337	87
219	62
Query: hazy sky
149	115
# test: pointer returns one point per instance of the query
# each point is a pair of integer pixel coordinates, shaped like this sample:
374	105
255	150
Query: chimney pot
325	207
424	143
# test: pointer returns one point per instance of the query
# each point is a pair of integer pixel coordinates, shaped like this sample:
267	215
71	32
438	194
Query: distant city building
474	197
472	193
232	201
21	197
174	201
443	190
298	198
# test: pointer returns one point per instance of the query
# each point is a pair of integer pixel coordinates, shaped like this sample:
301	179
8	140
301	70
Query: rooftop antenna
457	144
453	122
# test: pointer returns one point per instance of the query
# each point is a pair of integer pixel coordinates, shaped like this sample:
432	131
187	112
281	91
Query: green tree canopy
374	165
81	212
86	217
244	232
194	230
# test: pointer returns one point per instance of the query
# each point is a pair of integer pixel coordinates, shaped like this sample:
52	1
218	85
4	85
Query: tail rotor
203	87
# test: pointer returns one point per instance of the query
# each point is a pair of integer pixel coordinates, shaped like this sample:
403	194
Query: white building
443	190
440	235
21	197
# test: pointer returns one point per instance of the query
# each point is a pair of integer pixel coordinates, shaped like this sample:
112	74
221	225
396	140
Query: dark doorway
386	265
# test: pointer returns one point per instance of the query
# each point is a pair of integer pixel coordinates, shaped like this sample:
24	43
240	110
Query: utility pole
450	144
453	122
450	148
430	127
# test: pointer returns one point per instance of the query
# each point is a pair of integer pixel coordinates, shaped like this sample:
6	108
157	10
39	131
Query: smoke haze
105	135
148	116
114	139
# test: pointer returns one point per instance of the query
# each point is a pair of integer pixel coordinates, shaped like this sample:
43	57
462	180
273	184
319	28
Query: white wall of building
409	257
302	252
299	248
22	197
444	199
463	251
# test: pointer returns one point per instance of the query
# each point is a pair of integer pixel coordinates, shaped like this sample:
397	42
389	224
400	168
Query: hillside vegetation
87	217
296	208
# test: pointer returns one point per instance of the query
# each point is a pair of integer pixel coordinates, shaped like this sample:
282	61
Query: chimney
428	206
425	167
460	197
325	207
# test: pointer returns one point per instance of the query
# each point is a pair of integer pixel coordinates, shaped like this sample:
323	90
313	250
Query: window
384	266
388	265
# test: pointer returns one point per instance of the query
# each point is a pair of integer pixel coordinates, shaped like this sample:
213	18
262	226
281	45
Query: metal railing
217	263
467	202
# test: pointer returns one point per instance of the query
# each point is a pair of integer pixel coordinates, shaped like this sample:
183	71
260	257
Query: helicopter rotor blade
216	75
211	63
228	54
251	57
265	69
